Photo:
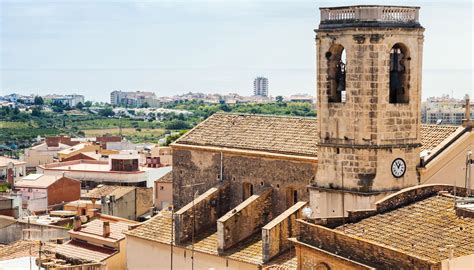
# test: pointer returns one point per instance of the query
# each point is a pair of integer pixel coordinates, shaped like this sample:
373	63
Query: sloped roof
168	178
433	135
95	228
158	229
279	134
419	229
38	181
105	190
269	133
5	160
21	248
84	251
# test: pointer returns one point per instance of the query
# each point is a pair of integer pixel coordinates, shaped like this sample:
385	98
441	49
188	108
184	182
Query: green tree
39	101
177	125
88	104
145	105
36	112
107	112
79	106
279	99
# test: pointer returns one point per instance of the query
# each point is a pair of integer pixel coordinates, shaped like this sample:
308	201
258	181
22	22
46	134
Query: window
399	74
336	76
247	190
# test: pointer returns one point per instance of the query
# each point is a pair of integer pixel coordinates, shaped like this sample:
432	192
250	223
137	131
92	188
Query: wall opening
399	74
291	197
247	190
336	74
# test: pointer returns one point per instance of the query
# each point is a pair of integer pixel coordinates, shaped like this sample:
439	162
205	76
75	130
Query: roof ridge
265	115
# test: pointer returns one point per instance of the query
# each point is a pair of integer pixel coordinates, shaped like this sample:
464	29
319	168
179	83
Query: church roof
279	134
420	229
268	133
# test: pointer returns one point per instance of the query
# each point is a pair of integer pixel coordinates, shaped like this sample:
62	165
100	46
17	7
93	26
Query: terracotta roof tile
95	227
269	133
419	229
105	190
159	229
279	134
433	135
21	248
84	251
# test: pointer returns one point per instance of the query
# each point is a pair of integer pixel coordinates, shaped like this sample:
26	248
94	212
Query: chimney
106	231
76	223
467	122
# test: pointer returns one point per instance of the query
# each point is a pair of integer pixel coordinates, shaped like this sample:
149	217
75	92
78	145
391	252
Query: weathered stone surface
202	214
283	175
244	220
276	234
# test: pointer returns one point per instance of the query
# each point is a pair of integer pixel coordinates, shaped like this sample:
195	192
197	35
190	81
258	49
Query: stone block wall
203	167
361	133
244	220
276	234
208	207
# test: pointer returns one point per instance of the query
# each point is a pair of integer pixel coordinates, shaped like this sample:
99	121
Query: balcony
369	16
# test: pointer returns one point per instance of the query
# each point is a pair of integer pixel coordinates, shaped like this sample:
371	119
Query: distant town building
121	201
260	86
133	99
66	100
101	240
40	192
444	110
11	170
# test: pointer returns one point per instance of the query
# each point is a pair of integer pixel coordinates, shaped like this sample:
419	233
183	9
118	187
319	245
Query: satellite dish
83	219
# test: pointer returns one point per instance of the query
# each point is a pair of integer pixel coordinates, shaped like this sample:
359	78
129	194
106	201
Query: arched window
336	88
399	74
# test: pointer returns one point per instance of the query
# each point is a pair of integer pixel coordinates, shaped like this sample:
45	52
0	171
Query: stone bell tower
369	89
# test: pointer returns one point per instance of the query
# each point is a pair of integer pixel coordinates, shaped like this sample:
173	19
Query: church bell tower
369	62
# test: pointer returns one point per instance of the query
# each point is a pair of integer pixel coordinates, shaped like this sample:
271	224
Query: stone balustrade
370	13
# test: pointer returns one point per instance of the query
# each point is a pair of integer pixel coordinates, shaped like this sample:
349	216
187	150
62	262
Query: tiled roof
95	228
84	251
433	135
279	134
168	177
21	248
158	229
105	190
420	229
269	133
37	181
285	261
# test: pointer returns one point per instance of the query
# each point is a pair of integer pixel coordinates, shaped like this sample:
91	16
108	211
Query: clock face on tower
398	167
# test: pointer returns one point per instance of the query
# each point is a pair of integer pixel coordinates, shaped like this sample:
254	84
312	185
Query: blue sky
172	47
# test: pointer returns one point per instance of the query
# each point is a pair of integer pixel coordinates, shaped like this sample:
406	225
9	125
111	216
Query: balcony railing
390	14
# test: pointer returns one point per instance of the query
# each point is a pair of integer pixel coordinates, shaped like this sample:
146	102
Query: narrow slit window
399	75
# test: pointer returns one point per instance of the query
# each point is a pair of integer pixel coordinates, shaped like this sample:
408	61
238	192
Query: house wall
119	260
163	194
141	254
35	157
203	168
16	232
144	200
464	262
449	166
123	207
64	190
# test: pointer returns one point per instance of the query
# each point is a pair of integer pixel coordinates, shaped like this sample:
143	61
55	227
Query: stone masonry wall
362	251
203	167
362	131
244	220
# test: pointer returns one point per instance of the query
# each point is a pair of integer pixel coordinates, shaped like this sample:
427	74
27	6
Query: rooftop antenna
467	183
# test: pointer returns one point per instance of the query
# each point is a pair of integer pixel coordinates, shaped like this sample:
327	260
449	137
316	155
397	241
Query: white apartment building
260	86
